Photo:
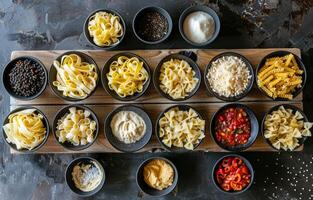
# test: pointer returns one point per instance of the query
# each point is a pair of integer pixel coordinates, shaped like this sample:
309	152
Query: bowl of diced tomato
234	127
233	174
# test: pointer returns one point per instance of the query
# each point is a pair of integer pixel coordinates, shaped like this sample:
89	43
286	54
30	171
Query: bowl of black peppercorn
25	78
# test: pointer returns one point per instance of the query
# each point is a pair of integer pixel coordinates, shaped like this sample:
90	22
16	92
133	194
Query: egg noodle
25	129
76	127
105	28
76	79
181	128
127	76
177	78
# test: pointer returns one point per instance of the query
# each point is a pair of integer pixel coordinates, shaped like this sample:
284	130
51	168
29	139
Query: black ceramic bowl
64	111
157	128
69	179
205	9
140	14
241	95
248	164
144	187
106	70
254	125
121	146
6	82
294	109
90	39
45	122
280	54
53	74
192	64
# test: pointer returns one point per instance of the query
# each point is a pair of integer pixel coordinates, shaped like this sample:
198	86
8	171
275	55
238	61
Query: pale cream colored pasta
181	128
177	78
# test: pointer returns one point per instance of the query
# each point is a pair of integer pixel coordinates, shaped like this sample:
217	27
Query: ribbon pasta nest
284	129
105	28
75	78
280	77
76	127
127	76
177	78
25	129
181	128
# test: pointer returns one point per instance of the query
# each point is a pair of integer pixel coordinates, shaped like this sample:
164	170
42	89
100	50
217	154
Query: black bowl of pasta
293	123
126	76
180	71
32	136
180	141
75	127
128	128
94	29
72	87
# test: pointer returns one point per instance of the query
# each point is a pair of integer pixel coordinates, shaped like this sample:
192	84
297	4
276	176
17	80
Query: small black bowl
248	164
61	113
121	146
192	64
280	54
241	95
253	123
106	70
45	122
294	109
140	14
157	128
144	187
69	178
205	9
5	77
90	39
53	74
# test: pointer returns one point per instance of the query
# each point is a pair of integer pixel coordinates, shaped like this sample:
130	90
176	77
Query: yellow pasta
177	78
105	28
181	128
127	76
76	79
76	127
25	129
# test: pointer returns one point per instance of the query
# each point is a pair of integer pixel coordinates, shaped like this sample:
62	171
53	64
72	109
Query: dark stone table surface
36	24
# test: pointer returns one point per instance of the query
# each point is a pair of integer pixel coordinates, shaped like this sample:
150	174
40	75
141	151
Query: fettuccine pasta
127	76
76	127
177	78
75	78
25	129
181	128
105	28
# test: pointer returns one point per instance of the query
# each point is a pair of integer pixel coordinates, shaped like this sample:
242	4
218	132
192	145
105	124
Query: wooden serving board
101	103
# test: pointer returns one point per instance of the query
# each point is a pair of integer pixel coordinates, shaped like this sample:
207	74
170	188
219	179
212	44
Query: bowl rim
159	10
300	64
205	9
71	147
83	56
286	106
45	121
241	95
88	37
112	93
246	108
192	64
83	158
4	74
248	164
117	110
143	163
174	148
